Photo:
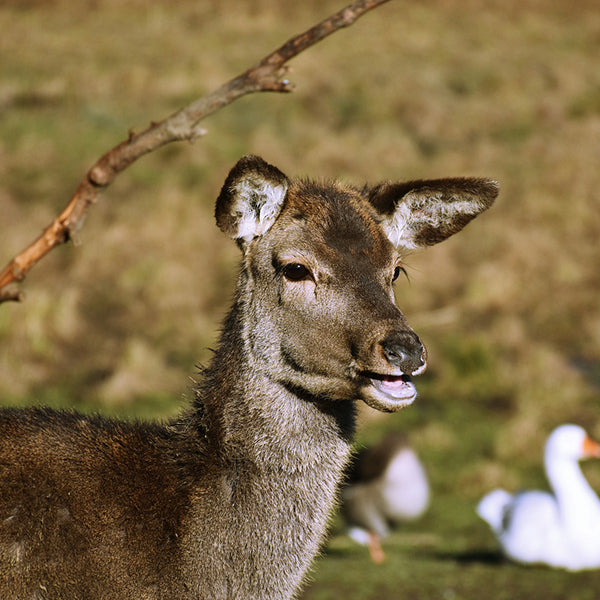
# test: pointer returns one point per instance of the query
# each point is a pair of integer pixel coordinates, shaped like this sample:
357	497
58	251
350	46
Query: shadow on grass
484	557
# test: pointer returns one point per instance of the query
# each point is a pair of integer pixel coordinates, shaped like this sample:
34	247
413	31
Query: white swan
387	484
561	529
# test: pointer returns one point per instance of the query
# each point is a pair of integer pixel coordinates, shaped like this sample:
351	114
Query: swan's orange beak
591	448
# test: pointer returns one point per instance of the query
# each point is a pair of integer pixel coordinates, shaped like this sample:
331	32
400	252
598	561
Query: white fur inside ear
416	211
257	205
396	227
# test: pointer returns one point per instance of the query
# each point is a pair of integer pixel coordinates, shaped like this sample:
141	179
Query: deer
231	498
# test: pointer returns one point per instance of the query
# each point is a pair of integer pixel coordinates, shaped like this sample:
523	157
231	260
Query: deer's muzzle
404	350
388	386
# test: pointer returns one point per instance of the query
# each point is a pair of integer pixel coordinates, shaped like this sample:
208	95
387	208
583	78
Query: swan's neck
576	499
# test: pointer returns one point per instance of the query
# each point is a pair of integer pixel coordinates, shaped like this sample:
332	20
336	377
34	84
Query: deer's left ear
251	198
422	213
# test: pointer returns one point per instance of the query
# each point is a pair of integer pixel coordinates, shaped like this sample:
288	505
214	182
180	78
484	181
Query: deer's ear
251	198
422	213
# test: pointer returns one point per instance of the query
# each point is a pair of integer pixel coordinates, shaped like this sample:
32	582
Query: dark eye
397	272
296	272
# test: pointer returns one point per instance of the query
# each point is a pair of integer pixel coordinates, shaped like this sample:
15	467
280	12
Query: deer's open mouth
395	387
389	392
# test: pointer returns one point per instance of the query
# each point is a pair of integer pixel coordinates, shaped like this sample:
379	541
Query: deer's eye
397	272
296	272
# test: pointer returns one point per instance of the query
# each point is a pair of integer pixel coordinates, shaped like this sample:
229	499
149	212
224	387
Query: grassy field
508	309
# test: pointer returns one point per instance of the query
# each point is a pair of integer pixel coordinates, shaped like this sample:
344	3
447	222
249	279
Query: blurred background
508	309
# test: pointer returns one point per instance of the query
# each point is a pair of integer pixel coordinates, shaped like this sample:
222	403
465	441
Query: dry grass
508	309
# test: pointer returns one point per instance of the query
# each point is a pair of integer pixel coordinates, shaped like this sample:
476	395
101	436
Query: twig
268	75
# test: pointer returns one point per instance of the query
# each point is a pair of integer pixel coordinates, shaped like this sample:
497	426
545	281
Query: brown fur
231	499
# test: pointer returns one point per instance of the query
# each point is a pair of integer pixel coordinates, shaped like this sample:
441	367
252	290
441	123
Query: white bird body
389	486
560	529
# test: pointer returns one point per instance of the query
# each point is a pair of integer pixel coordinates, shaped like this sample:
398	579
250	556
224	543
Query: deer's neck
282	458
250	416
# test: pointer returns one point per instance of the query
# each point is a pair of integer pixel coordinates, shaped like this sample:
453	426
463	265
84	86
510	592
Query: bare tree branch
267	75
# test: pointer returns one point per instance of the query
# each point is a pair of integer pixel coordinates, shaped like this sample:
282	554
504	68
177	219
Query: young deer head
320	261
231	499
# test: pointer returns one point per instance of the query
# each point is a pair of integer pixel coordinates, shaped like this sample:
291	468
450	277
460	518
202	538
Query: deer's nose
404	349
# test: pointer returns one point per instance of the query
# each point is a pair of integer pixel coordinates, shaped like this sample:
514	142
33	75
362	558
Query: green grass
508	309
422	565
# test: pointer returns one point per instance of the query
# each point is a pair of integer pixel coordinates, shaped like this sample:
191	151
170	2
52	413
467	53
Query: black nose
404	349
